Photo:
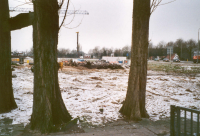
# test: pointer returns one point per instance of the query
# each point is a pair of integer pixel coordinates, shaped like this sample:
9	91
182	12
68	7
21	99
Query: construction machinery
61	11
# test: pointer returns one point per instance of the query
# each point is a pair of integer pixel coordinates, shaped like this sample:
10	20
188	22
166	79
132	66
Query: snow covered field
85	91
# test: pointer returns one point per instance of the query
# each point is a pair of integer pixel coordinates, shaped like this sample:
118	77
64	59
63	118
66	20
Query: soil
120	127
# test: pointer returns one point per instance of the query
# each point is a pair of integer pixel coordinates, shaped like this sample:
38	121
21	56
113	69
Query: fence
184	121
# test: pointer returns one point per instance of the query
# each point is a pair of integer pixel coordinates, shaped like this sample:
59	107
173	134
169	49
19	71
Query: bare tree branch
29	2
63	22
73	16
167	3
64	15
61	3
156	3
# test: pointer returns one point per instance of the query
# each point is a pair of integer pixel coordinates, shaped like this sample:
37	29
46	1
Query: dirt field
85	91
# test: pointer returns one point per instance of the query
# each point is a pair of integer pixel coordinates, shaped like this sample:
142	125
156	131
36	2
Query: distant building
173	56
87	56
17	53
114	59
21	54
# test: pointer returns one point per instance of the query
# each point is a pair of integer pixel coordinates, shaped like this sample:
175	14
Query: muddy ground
146	127
121	127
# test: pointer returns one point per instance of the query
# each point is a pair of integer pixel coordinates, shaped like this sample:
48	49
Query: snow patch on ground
86	92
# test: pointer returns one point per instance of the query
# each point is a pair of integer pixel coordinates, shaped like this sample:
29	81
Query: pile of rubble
100	64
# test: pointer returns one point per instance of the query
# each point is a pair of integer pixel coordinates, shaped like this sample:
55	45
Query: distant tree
161	44
96	51
72	54
30	52
15	52
49	110
104	51
99	52
82	53
90	51
134	104
191	45
126	51
150	45
118	52
7	102
158	51
161	49
171	43
62	52
110	51
178	47
150	50
184	49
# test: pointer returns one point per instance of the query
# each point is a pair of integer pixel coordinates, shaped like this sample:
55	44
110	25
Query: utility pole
29	17
198	47
181	50
170	55
77	44
170	51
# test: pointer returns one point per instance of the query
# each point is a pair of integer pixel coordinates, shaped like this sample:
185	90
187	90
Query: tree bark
7	102
134	105
49	110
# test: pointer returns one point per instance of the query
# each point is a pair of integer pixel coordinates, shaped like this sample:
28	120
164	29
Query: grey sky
109	24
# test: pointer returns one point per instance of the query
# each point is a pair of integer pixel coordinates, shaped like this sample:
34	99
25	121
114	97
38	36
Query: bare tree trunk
48	106
7	102
134	105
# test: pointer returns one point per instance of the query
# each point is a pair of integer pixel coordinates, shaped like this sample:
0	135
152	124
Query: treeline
97	52
62	53
67	53
184	49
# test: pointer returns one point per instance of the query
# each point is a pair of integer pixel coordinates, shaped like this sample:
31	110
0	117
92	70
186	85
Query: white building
87	56
114	59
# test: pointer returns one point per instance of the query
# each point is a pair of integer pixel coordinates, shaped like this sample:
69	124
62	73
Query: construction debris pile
100	64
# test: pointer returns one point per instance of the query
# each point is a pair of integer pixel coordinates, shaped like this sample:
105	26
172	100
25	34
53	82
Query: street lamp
198	47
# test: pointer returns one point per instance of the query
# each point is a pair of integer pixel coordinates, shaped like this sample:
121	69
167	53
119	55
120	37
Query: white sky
109	24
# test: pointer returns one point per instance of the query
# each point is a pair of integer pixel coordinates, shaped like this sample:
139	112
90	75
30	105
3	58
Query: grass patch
175	68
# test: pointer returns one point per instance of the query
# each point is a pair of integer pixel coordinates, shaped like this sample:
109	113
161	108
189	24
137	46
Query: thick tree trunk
134	105
49	110
7	102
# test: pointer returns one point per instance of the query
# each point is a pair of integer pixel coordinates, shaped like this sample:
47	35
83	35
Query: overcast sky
109	24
